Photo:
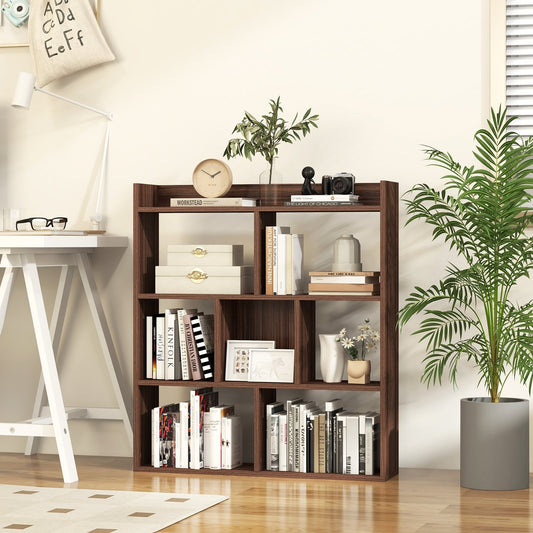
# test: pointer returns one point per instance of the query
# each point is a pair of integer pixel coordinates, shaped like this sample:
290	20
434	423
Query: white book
276	232
212	202
185	367
283	441
177	443
234	442
362	280
281	263
160	347
155	438
211	430
216	416
297	280
290	433
352	445
324	198
184	435
172	369
149	347
362	442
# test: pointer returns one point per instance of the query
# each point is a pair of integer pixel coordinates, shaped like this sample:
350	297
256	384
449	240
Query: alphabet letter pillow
64	38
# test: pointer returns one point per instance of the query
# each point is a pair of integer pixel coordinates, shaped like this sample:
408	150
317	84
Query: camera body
342	183
16	11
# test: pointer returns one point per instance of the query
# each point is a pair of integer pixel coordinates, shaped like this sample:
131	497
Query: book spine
281	262
352	445
355	287
192	352
322	443
185	368
269	260
271	408
298	286
283	441
235	448
172	370
296	436
185	430
155	437
201	350
274	442
160	347
211	202
149	346
362	443
345	279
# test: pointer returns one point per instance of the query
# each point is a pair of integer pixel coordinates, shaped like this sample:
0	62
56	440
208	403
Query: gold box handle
197	275
199	251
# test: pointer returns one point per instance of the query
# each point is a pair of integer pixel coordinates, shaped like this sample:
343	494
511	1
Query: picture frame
273	366
238	357
13	37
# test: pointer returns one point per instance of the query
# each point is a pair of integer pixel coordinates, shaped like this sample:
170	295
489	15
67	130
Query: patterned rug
48	510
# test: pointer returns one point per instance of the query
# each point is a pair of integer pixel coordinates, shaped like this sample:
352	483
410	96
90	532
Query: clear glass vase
269	180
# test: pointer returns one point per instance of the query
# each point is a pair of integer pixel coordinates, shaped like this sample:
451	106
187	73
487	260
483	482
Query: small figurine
309	184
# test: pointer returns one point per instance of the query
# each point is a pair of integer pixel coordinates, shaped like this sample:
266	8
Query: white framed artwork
275	366
238	357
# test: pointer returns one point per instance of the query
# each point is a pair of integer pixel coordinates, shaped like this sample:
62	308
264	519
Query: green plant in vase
482	213
263	136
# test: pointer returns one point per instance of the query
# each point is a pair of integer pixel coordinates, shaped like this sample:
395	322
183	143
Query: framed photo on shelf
271	365
238	357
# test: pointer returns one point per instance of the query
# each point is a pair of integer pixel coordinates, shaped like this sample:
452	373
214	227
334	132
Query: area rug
49	510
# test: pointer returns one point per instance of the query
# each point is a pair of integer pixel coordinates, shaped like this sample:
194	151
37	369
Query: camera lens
21	9
339	185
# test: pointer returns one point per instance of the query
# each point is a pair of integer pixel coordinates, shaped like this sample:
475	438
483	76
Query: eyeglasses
41	223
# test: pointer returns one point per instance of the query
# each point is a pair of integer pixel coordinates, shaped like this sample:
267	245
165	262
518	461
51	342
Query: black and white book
331	408
270	408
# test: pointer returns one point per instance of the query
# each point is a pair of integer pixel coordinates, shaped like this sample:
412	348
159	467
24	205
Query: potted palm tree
481	213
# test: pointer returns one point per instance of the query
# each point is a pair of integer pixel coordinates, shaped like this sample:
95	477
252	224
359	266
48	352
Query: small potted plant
263	136
357	348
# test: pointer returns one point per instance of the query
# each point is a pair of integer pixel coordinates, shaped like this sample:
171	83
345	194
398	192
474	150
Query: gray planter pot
495	444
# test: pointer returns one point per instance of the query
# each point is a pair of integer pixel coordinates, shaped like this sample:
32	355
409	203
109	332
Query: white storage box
204	254
204	280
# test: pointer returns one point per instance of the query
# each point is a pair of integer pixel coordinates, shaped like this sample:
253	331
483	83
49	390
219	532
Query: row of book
179	345
198	433
336	283
283	261
301	437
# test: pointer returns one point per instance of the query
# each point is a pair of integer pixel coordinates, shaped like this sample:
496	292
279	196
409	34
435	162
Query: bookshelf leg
56	327
106	341
5	291
48	365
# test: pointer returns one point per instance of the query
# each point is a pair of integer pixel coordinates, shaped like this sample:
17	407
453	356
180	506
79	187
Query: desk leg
106	341
5	291
56	327
48	365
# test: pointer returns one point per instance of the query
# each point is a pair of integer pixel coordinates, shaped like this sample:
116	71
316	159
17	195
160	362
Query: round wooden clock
212	178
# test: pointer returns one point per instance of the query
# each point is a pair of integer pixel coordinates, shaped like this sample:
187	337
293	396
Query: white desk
69	252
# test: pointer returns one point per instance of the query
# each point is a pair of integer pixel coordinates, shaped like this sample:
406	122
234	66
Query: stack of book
195	434
336	283
301	437
323	199
179	345
225	201
283	261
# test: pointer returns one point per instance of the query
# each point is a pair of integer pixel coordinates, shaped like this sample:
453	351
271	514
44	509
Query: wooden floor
419	501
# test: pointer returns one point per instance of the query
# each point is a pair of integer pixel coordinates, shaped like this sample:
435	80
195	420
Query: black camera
342	183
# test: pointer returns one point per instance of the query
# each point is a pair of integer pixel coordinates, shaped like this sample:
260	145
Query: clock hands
211	175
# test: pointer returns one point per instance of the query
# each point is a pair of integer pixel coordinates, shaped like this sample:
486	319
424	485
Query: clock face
212	178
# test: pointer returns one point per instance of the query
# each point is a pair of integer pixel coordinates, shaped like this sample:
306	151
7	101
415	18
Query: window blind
519	64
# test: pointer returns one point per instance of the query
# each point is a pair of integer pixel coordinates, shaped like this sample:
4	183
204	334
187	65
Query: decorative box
204	279
204	254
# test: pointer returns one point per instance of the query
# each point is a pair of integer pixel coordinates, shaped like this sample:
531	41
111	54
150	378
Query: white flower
347	343
342	332
375	336
361	337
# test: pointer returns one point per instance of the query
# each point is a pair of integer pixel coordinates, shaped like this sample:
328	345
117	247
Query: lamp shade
23	90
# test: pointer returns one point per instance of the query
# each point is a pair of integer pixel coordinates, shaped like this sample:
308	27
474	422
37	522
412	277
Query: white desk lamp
22	100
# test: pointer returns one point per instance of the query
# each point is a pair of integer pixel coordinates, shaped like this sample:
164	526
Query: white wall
385	77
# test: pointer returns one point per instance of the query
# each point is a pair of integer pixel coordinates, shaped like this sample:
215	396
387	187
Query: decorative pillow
64	37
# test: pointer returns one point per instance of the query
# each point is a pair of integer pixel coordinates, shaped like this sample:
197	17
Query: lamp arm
79	104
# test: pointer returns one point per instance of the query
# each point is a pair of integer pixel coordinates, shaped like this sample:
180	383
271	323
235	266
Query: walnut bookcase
290	320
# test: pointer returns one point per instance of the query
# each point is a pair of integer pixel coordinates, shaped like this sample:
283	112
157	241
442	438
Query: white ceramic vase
331	358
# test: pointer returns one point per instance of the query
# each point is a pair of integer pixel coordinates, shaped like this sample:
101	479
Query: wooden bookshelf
293	326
